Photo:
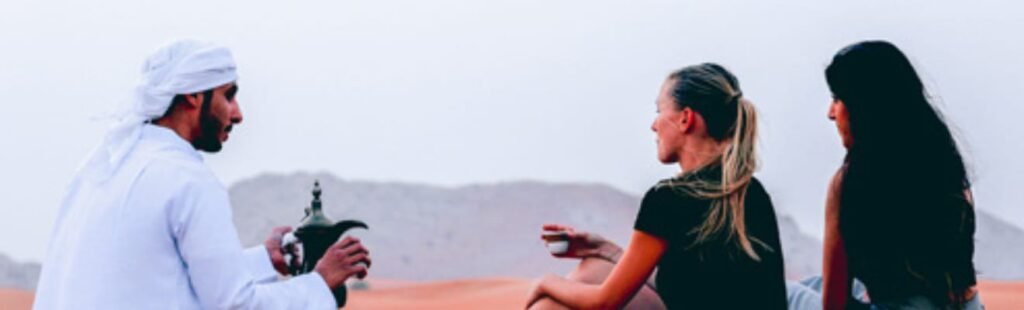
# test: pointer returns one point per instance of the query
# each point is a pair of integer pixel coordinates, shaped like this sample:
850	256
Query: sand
501	293
11	299
507	293
1002	294
486	293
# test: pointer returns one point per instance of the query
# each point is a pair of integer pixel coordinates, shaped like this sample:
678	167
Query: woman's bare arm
836	277
639	259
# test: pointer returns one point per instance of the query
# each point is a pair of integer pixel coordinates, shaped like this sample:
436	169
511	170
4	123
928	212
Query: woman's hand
621	285
583	244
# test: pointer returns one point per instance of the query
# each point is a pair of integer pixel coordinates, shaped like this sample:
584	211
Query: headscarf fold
181	67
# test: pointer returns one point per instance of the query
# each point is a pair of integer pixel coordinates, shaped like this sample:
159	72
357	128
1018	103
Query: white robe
158	234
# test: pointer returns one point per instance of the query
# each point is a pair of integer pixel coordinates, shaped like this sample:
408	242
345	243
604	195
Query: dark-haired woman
899	215
711	231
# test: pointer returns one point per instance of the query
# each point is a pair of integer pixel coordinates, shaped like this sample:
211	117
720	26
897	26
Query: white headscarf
181	67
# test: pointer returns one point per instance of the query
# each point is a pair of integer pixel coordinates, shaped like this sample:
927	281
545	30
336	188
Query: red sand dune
11	299
1002	294
484	293
506	293
501	293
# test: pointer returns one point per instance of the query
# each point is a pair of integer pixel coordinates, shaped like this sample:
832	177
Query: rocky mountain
428	233
18	275
998	250
422	232
802	253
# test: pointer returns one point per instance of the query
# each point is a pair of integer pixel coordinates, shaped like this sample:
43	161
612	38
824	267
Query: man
146	225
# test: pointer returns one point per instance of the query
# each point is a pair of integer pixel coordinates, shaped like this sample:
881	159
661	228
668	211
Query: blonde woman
711	231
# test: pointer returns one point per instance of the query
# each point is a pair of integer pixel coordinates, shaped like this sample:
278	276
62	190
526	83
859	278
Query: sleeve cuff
258	261
320	295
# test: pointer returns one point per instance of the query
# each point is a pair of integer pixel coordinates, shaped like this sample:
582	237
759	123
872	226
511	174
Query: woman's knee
547	304
591	271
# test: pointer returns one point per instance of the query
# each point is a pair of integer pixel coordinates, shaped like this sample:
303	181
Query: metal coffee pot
316	233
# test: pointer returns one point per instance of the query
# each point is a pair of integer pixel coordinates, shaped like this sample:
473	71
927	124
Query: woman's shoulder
837	178
676	188
756	186
757	200
667	208
835	186
672	188
670	193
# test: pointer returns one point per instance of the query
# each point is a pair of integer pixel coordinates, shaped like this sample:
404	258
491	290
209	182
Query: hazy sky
458	92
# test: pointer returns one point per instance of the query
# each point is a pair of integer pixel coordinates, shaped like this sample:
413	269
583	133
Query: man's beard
209	128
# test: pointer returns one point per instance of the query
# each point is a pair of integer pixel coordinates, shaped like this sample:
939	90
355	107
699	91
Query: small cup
557	241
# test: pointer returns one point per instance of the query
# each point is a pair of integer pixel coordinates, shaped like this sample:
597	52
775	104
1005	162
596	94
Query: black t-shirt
714	274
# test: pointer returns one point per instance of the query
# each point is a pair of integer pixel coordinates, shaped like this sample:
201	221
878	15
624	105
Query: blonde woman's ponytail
698	87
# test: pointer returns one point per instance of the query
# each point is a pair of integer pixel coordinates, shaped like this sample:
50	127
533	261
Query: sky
460	92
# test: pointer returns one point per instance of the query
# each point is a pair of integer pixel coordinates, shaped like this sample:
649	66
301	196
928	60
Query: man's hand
342	260
583	244
273	245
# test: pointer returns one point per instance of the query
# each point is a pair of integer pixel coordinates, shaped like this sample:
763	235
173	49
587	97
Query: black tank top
714	275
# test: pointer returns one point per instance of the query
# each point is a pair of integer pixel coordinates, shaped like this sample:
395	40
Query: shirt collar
166	137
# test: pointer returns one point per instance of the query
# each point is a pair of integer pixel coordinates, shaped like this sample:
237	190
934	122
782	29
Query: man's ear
193	101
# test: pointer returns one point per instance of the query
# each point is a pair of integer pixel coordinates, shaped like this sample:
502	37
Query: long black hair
906	216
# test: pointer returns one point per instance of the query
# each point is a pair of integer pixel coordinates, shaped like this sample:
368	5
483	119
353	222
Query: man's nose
236	115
